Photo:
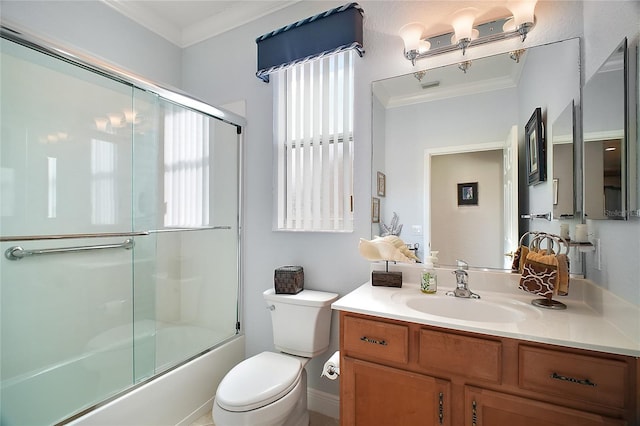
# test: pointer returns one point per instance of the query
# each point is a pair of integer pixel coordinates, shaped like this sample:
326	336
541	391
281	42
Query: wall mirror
462	124
562	144
605	139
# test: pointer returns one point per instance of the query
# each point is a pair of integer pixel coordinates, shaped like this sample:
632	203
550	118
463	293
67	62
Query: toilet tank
301	322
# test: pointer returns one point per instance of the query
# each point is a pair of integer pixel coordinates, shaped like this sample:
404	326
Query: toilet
270	389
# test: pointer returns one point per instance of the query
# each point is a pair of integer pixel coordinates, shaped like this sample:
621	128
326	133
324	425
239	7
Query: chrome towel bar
4	239
17	252
532	216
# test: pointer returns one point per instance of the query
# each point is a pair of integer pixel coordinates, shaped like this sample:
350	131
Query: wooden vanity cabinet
381	395
401	373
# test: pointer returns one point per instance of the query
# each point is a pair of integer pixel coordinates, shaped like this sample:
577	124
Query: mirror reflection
604	109
562	144
445	127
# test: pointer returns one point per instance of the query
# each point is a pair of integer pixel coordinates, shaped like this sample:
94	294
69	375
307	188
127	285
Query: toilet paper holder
331	369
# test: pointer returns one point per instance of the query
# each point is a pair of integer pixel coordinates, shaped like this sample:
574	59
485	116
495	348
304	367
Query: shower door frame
174	95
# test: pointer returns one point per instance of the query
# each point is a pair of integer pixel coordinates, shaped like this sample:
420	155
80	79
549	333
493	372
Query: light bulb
522	11
115	119
411	35
463	23
423	46
101	124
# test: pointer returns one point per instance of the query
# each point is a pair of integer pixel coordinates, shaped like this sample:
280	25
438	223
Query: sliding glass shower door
119	235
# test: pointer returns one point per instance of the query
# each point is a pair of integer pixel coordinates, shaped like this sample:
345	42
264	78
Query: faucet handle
461	264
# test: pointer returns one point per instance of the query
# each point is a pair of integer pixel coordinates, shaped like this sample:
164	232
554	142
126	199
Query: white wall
221	70
96	29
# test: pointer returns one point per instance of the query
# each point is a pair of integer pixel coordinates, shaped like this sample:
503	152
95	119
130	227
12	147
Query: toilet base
270	415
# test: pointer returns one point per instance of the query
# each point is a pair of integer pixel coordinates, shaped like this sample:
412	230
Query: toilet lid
258	381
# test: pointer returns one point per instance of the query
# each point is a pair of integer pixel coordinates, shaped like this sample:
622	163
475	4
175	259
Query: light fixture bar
488	33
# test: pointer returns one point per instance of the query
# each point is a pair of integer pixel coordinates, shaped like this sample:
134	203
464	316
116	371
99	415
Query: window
186	167
104	191
314	145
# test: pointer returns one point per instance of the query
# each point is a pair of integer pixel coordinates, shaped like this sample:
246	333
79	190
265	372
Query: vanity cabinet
381	395
402	373
486	407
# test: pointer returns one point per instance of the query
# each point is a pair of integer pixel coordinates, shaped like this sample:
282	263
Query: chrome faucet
462	282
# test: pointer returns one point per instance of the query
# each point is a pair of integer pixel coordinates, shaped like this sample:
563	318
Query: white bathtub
185	393
175	398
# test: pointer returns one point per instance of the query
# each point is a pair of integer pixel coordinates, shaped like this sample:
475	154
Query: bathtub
176	397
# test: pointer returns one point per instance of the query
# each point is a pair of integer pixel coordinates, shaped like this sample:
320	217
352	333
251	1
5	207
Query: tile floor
315	419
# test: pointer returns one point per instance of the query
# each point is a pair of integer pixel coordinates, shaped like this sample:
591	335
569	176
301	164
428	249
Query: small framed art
468	194
382	184
375	210
535	147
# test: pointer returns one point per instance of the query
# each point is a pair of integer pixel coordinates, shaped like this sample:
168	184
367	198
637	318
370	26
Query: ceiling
186	22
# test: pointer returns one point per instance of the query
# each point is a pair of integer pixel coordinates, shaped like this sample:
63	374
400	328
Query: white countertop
594	319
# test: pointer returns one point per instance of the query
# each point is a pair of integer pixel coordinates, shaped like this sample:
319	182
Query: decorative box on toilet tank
288	279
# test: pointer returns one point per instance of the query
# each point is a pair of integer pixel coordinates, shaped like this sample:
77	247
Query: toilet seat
258	381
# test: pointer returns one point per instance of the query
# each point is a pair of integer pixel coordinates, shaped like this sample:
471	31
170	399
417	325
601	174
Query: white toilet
270	389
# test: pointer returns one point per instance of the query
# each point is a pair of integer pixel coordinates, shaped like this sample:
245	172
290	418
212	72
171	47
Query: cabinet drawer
461	355
592	379
371	339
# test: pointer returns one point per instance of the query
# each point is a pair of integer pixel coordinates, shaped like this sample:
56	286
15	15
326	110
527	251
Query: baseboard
323	403
200	412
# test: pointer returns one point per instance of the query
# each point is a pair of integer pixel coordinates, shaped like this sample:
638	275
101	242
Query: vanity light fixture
516	55
465	34
419	75
464	66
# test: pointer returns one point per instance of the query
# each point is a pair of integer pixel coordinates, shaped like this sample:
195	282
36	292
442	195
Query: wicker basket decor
288	279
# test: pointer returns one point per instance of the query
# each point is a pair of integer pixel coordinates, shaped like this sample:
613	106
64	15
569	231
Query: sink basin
477	310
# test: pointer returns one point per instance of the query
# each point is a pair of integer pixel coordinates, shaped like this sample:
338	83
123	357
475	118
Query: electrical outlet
416	229
597	254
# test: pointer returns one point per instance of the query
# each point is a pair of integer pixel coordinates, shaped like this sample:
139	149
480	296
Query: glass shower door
65	170
191	292
119	230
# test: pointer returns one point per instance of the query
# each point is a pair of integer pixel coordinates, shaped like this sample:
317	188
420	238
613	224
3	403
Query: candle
581	233
564	231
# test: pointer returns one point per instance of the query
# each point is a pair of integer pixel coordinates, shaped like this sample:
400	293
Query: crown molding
201	30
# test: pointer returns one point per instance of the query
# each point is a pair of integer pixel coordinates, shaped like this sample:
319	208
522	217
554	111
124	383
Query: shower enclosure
119	231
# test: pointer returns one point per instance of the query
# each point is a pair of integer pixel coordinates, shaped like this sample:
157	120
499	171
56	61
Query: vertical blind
186	168
104	191
315	144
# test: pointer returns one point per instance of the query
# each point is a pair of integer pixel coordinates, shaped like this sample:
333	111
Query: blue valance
325	33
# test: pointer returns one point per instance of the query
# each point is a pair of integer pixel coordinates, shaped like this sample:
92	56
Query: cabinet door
488	408
373	394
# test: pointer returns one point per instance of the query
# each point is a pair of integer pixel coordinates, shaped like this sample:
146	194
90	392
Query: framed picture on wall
375	210
535	149
382	184
468	194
